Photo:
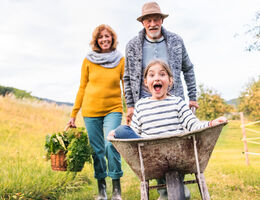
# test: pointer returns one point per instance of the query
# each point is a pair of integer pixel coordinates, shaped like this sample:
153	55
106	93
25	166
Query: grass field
25	173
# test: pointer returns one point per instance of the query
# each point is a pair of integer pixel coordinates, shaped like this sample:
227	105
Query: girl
161	114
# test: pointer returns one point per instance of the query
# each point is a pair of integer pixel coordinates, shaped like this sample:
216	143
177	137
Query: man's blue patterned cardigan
178	61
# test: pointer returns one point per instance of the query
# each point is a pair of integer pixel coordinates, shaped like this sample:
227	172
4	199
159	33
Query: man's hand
129	114
193	104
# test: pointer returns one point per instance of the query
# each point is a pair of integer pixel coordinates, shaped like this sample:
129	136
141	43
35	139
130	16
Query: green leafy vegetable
75	144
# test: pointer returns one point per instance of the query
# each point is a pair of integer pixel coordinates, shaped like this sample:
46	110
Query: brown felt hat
151	8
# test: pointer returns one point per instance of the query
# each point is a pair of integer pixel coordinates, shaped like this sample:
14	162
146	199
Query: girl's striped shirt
168	116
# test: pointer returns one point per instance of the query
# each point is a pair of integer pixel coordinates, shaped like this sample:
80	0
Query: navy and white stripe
167	116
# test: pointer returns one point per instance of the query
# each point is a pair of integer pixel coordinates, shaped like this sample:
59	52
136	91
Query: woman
99	97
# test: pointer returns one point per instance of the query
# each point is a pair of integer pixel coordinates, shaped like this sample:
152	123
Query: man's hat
151	8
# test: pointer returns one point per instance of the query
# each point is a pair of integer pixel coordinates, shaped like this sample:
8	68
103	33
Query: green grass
25	174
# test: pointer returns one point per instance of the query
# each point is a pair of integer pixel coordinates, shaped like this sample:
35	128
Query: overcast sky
43	43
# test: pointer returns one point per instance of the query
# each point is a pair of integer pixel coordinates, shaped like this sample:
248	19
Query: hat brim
140	19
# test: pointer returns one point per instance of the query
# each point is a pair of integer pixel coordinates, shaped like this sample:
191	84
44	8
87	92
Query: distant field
25	174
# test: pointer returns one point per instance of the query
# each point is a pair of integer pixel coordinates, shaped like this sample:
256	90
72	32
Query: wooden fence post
244	137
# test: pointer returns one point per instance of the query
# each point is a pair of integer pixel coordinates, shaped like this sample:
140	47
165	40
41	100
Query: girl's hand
218	121
111	133
71	122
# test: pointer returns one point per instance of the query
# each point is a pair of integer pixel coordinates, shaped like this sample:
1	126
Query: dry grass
26	175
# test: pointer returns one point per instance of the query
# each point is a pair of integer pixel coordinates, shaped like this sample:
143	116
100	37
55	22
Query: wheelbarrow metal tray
169	153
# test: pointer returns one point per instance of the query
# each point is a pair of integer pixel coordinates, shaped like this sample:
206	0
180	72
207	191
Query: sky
43	43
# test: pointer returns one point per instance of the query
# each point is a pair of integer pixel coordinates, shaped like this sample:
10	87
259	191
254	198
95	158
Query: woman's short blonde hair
94	44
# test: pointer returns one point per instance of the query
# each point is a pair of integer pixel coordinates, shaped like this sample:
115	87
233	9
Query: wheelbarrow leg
200	176
205	193
175	189
144	183
145	190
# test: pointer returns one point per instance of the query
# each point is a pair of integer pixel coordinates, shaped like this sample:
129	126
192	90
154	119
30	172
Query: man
155	42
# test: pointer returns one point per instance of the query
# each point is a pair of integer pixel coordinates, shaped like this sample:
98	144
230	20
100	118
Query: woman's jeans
98	129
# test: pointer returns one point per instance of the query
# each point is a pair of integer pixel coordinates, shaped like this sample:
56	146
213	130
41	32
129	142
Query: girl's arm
187	119
191	122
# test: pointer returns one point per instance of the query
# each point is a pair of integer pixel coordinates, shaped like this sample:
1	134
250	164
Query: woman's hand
218	121
71	122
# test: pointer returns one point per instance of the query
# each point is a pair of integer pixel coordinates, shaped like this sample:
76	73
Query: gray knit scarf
107	60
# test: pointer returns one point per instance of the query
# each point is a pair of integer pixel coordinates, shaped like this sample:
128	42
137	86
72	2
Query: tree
249	100
211	104
17	92
254	33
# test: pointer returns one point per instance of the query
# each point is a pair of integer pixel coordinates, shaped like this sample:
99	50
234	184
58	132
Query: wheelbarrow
167	156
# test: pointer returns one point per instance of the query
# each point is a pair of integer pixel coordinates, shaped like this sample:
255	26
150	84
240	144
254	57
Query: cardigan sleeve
81	91
126	78
122	75
188	73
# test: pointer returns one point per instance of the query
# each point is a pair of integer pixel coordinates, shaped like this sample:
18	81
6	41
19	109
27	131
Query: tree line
16	92
212	105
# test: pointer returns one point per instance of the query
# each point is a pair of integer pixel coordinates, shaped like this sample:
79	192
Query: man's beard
156	34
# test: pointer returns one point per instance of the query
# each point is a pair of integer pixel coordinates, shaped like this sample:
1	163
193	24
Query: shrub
211	104
249	100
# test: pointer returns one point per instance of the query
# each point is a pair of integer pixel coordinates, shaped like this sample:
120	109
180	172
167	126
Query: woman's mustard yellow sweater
99	92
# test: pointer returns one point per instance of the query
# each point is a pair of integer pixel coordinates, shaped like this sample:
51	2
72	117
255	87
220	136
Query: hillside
60	103
233	102
4	90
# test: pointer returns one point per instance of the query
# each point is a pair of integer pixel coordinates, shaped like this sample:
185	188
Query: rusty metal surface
167	153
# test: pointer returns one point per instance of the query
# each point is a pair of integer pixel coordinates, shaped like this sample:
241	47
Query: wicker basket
58	161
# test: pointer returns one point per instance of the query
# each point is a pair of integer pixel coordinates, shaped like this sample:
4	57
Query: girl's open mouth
157	87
